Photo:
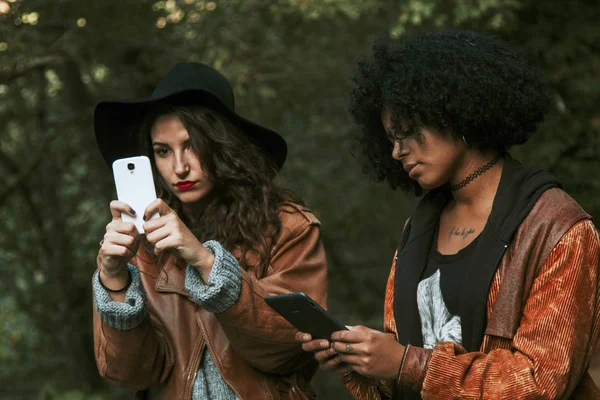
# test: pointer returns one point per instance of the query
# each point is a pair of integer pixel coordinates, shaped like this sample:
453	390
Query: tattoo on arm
461	233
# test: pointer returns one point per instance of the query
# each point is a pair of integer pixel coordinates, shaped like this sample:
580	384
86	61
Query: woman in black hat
179	312
494	290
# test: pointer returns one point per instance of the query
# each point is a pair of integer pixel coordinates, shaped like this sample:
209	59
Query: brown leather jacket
543	320
252	346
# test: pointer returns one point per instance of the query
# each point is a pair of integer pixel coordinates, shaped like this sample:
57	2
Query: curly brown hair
242	209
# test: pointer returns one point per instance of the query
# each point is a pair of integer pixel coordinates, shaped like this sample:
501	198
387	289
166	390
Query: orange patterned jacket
556	329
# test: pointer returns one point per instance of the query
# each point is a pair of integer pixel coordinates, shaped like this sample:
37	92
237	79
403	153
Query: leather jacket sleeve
298	264
135	358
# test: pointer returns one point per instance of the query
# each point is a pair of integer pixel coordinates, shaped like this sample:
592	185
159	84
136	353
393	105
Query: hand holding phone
305	314
119	245
135	187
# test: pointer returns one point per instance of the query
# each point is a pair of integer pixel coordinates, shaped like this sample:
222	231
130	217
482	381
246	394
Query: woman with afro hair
494	288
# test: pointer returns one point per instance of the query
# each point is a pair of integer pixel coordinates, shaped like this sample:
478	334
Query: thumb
358	328
157	206
118	207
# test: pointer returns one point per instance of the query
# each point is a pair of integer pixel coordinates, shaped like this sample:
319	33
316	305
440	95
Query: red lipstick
185	185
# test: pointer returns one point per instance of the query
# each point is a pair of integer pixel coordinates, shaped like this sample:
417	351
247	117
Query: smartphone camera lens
131	166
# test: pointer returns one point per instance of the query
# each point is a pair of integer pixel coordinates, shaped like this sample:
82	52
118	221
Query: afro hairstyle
466	83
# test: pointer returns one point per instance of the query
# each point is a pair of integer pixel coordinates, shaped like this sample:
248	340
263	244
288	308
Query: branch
8	74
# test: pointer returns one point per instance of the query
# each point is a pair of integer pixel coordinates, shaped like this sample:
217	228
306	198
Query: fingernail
131	210
324	344
306	337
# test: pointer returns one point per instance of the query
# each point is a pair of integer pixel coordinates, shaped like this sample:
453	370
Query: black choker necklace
475	174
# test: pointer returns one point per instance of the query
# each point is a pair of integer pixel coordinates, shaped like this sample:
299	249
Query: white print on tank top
437	324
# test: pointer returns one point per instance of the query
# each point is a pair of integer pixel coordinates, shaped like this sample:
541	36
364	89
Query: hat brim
116	125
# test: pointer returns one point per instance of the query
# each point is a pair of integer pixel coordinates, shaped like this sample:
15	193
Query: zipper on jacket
195	364
211	352
194	378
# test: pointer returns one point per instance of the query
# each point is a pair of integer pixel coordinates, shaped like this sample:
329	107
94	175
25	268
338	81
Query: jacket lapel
478	279
411	261
172	278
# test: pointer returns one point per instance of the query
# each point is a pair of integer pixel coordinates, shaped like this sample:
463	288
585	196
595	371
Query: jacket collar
170	276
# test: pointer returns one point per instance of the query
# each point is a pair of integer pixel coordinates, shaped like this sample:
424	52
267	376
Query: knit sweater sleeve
224	282
122	316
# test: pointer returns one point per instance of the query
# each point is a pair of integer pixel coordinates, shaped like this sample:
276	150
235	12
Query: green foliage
49	392
16	337
289	62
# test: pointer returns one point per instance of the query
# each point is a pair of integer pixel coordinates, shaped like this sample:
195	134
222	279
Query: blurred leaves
289	62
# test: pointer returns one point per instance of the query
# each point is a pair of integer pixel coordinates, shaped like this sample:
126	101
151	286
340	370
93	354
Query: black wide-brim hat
116	123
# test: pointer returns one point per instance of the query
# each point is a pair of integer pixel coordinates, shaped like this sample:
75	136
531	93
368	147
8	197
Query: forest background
289	62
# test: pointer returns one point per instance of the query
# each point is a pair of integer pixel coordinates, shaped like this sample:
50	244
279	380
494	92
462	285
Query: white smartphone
135	186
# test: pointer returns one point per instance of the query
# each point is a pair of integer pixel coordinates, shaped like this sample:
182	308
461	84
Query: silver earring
465	140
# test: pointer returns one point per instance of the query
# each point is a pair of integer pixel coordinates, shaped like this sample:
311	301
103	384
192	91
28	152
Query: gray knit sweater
222	290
